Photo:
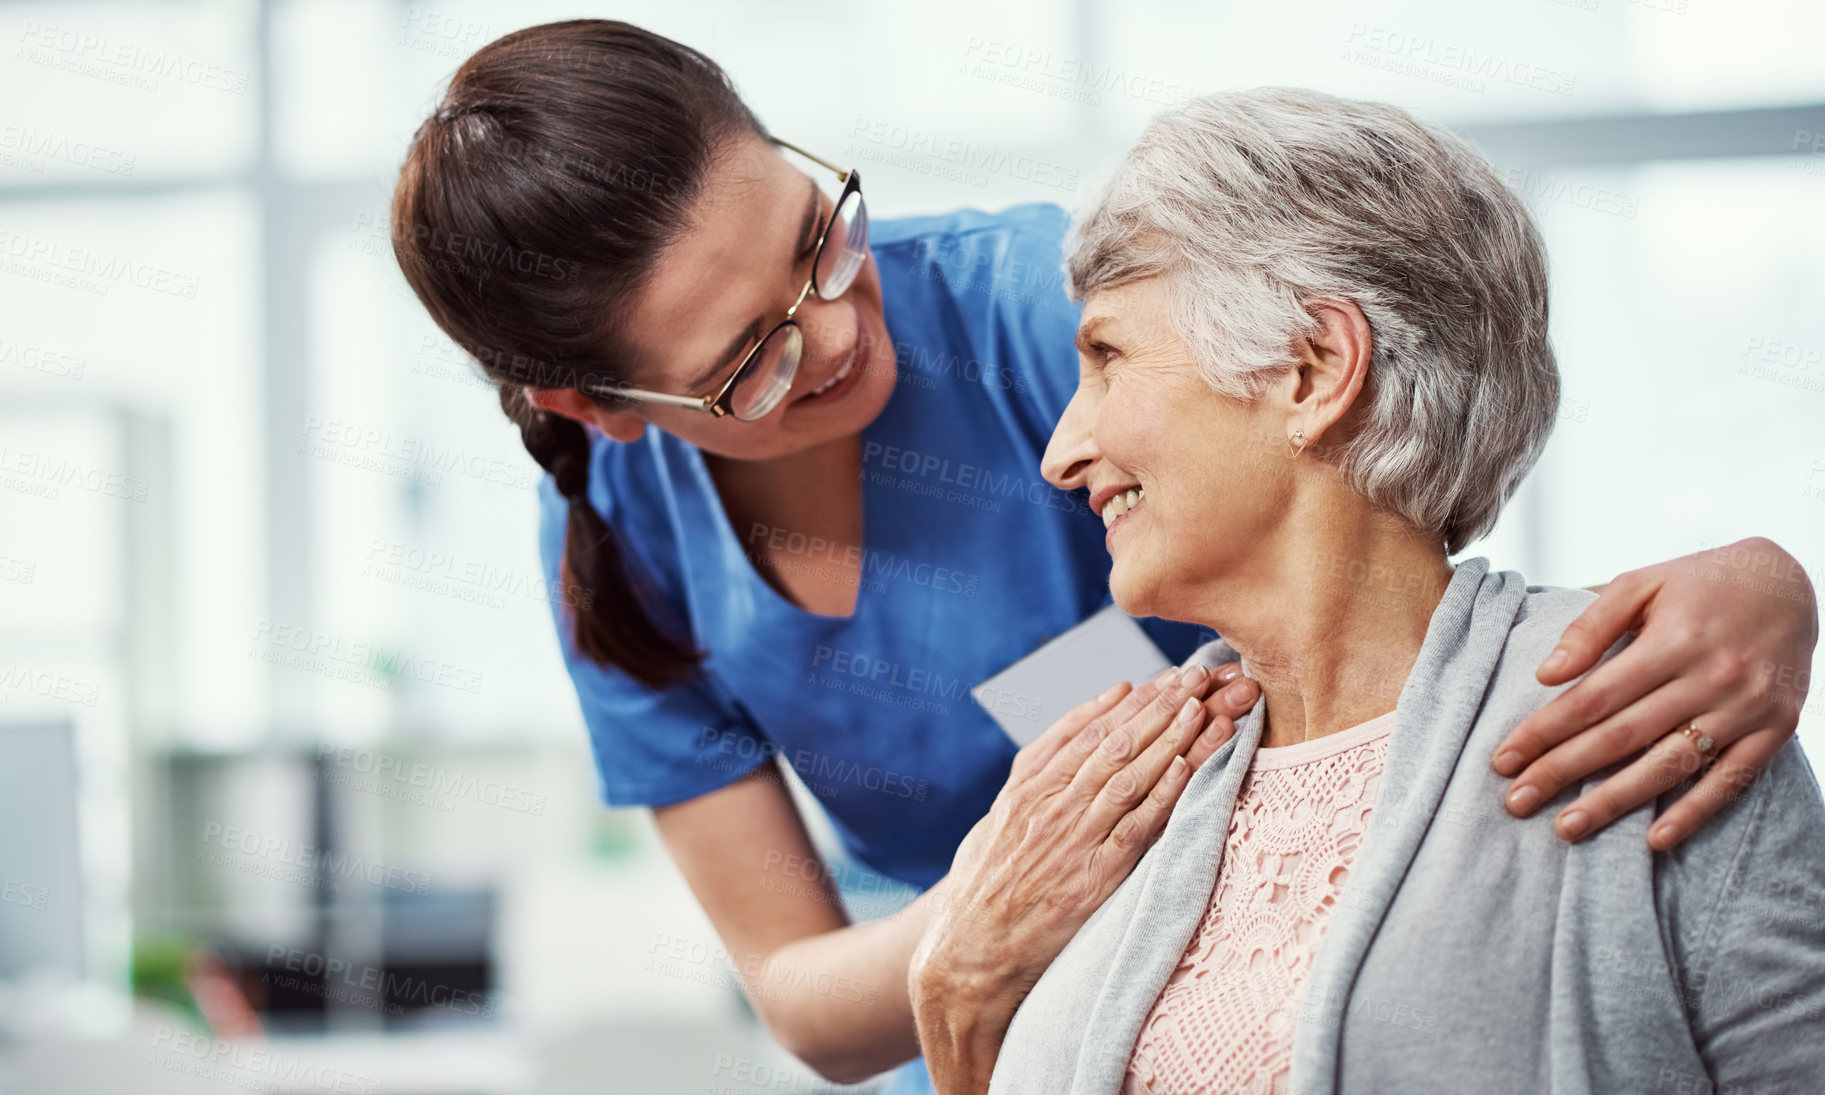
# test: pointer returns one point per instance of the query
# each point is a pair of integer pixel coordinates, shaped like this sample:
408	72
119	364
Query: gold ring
1707	748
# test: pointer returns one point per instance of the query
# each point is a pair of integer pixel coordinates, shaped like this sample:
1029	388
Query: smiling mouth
835	378
1118	505
856	352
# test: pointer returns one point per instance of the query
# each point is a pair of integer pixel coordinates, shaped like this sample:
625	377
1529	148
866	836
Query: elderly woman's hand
1082	804
1726	640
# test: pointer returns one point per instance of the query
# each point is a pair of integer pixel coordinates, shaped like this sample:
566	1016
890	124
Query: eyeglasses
765	375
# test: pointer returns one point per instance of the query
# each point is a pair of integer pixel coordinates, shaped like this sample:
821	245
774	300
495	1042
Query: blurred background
294	792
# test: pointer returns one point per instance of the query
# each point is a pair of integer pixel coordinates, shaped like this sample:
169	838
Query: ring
1700	740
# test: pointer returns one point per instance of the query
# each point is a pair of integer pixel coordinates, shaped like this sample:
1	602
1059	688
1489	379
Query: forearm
838	1000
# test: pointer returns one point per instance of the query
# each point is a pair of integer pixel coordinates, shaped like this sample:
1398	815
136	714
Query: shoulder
988	288
1008	264
1537	621
1546	611
1036	227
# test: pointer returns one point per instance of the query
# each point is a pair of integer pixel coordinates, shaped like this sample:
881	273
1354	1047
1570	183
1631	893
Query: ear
623	426
1331	366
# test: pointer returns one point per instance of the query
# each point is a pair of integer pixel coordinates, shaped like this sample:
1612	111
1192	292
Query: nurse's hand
1725	640
1081	806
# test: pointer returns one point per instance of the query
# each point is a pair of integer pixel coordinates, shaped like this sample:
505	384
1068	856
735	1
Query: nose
1072	449
829	327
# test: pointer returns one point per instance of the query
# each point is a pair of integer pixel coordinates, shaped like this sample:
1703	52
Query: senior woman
1314	363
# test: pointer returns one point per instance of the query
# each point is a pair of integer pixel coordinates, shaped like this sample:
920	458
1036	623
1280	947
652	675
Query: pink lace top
1225	1020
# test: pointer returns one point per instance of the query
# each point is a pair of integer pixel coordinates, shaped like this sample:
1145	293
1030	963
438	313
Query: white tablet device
1030	695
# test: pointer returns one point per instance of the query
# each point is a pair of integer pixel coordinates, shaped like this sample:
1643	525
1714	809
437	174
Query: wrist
960	1034
952	971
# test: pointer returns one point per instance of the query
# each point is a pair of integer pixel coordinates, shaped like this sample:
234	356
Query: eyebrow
752	330
1087	333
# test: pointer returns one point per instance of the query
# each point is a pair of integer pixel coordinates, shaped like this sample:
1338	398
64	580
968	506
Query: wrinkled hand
1082	804
1232	695
1725	640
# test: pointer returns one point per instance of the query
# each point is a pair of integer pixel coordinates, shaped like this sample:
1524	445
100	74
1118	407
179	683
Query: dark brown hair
532	206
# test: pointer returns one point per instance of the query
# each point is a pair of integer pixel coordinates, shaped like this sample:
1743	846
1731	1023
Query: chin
1131	595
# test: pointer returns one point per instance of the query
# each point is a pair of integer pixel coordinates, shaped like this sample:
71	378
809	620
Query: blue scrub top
970	561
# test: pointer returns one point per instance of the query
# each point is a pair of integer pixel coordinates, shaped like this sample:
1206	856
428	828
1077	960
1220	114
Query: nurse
794	502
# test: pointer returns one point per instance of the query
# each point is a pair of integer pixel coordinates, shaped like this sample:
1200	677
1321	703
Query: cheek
1132	421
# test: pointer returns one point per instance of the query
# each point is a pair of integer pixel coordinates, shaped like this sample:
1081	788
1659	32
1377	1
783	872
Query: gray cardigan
1469	951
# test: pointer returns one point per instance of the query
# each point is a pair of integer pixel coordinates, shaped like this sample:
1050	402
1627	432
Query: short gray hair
1250	203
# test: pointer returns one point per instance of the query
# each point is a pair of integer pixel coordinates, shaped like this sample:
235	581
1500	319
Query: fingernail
1660	834
1239	693
1212	735
1165	675
1189	708
1507	762
1228	673
1523	800
1109	693
1191	675
1573	823
1557	658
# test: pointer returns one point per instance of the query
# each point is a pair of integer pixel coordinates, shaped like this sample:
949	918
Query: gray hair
1252	203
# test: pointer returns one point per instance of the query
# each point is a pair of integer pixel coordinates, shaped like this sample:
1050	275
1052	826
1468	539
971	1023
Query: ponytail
593	566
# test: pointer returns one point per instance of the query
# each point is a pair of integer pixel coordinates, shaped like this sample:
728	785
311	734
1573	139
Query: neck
1330	614
820	466
815	491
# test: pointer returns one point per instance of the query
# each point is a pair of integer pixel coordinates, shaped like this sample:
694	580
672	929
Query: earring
1297	441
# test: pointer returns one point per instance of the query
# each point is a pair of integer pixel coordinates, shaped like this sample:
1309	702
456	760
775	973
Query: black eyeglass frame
722	402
